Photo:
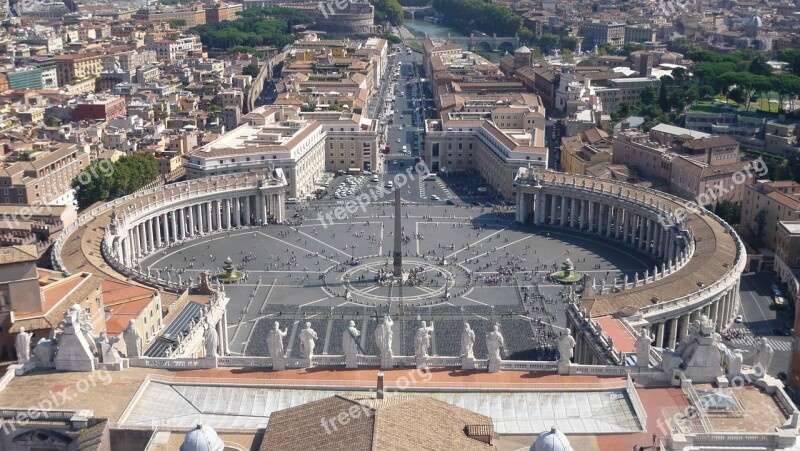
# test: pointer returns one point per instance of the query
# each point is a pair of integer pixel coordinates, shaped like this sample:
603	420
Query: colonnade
606	213
180	222
623	221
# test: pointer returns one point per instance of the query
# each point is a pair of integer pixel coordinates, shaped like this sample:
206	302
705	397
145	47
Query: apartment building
77	66
271	137
495	143
600	32
755	130
779	201
43	175
99	108
192	15
172	49
584	151
697	168
222	12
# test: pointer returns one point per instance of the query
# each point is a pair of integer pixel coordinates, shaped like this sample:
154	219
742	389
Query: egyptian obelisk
398	251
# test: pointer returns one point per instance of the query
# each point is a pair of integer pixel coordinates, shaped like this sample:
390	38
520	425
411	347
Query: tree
595	7
525	35
648	95
786	85
759	66
570	43
251	70
663	98
102	181
547	43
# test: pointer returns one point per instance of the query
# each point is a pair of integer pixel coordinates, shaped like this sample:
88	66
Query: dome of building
756	22
552	440
202	438
523	49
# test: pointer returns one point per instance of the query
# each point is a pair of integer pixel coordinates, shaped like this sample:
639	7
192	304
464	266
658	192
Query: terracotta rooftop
623	340
18	254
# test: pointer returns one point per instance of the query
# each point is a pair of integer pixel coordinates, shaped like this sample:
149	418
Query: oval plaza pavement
476	264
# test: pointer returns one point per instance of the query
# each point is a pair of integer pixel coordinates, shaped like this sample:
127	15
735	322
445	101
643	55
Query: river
422	28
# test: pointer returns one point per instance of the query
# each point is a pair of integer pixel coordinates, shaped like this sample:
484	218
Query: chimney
480	432
380	385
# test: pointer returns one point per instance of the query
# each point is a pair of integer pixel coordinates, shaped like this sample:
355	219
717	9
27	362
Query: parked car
739	319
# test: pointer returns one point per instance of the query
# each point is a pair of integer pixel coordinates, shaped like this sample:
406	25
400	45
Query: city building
190	15
493	140
765	205
222	11
99	108
73	67
271	137
42	175
595	33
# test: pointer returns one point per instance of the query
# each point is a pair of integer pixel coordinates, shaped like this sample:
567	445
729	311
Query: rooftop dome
552	440
755	22
523	49
202	438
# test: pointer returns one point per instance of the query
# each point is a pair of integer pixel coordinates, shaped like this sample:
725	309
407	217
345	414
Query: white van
291	201
430	178
405	149
390	184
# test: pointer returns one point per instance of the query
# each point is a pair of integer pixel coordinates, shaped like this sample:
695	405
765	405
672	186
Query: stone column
660	335
151	244
280	205
173	219
563	213
190	217
659	232
227	213
199	216
609	217
218	213
209	223
582	215
237	211
157	222
673	333
592	206
552	209
136	242
713	312
184	217
618	221
573	212
247	218
626	226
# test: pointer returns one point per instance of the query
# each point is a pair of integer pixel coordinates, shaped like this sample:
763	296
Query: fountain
229	273
567	275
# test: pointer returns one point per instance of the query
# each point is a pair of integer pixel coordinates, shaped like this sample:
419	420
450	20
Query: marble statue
495	341
211	339
349	343
566	345
467	342
307	342
422	340
23	345
44	351
764	355
383	337
732	361
275	341
643	344
133	340
106	350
